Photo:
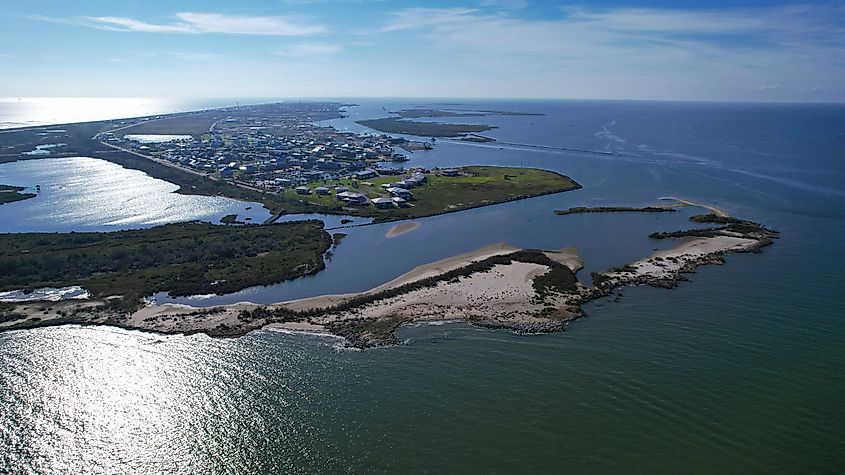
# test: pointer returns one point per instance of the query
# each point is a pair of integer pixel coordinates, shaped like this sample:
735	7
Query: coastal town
285	153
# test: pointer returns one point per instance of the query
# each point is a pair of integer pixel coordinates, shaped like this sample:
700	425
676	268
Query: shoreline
498	286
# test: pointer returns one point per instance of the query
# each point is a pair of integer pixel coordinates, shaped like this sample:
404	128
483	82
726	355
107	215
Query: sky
722	50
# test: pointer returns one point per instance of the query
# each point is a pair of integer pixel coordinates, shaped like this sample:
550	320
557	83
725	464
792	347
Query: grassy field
476	186
183	259
195	124
395	125
10	194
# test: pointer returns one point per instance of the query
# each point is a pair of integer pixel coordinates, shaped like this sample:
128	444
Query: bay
737	371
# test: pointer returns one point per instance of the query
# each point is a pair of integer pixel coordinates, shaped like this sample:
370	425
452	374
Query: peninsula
10	194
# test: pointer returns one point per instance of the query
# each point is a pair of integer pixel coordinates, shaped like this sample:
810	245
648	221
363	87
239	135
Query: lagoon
89	194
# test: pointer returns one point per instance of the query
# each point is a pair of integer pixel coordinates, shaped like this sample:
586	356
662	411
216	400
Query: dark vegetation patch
231	219
729	224
368	332
182	259
10	194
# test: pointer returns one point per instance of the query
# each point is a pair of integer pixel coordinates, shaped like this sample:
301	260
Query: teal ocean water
737	371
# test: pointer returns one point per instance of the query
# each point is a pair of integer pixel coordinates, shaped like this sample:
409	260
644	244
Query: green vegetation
714	218
729	224
615	209
183	259
475	186
10	194
397	125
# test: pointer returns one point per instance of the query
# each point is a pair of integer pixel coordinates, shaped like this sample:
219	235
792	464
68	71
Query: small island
398	125
401	123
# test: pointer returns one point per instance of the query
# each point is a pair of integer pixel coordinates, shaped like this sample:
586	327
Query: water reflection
80	193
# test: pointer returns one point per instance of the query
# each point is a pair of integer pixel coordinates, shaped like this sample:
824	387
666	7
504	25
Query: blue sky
719	50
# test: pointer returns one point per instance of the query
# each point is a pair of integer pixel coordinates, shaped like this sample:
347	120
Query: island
499	286
10	194
401	123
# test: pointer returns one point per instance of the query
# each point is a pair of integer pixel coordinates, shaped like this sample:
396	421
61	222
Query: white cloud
129	24
249	25
194	57
420	17
668	20
194	22
505	4
634	53
305	50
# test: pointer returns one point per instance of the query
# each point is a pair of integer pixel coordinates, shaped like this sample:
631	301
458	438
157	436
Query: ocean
737	371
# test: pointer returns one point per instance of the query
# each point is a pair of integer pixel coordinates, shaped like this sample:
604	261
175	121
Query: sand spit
403	228
716	211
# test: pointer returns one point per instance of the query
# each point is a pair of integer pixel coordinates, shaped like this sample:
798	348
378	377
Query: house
383	203
303	190
341	189
322	190
401	193
449	172
400	202
389	171
365	174
352	197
